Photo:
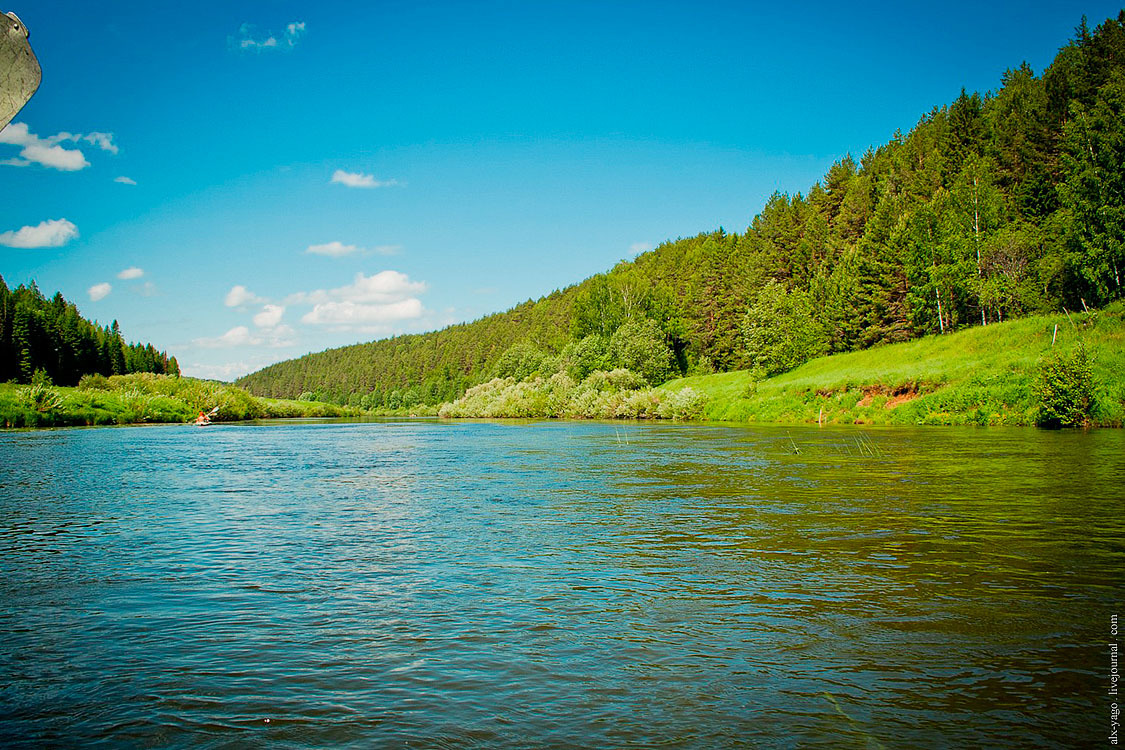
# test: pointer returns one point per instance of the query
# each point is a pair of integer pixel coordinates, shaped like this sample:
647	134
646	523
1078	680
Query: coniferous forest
42	337
994	206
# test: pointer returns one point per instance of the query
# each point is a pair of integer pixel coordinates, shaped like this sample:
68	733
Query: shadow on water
559	584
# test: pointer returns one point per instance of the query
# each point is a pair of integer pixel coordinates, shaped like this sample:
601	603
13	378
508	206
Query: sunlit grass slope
982	375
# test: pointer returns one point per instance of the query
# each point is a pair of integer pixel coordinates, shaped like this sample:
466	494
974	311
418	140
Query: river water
489	584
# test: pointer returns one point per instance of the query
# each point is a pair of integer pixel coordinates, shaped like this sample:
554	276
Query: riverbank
1054	370
144	398
981	375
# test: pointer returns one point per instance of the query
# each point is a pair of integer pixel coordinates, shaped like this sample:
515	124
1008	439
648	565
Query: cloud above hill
384	297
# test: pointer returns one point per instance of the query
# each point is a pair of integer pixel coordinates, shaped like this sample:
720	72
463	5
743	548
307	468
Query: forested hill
993	206
47	338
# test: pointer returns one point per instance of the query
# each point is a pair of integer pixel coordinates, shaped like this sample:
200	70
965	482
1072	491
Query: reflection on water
557	584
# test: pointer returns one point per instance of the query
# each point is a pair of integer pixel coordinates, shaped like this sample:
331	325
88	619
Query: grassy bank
982	375
144	398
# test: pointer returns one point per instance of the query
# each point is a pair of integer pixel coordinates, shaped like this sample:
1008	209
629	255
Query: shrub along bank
617	394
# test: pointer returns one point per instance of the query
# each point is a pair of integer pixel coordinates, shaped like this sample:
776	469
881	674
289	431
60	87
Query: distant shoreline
984	375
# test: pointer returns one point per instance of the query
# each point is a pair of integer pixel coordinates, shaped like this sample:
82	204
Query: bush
614	380
559	389
642	404
686	403
1065	390
94	382
618	394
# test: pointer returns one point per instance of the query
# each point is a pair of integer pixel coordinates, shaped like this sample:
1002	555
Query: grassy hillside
143	398
983	375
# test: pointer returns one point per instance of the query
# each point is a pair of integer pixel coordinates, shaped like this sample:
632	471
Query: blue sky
241	183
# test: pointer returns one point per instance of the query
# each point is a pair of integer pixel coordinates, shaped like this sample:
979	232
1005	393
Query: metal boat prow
20	73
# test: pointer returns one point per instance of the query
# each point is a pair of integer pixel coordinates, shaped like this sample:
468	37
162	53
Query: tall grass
143	398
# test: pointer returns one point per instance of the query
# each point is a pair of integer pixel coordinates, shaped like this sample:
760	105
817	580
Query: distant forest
46	338
992	207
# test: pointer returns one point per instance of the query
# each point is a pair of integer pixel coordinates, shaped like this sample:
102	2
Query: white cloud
240	336
295	31
227	371
99	291
48	152
45	151
269	43
383	297
279	337
50	233
640	247
339	249
353	313
380	288
250	40
332	249
360	180
125	180
237	336
239	296
269	317
104	141
131	273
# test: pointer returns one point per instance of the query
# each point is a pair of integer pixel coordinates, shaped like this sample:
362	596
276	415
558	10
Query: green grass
144	398
982	375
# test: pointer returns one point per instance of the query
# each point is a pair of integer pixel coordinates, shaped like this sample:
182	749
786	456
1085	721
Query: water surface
428	584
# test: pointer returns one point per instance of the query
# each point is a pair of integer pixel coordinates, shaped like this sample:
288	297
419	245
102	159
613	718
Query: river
558	584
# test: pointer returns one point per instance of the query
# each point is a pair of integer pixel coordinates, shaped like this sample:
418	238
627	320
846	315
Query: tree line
45	339
994	206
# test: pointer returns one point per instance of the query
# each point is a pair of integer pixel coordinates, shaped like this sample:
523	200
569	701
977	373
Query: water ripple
565	585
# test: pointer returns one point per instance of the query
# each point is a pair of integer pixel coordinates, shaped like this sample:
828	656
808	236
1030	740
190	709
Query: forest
992	207
48	341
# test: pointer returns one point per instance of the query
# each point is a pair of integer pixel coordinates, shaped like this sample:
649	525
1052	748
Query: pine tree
1094	190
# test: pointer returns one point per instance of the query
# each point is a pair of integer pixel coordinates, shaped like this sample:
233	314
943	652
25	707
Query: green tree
22	343
1094	189
522	360
966	130
580	358
781	330
972	210
641	347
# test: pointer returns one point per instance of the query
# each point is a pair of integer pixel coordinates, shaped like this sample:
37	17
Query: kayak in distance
205	419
